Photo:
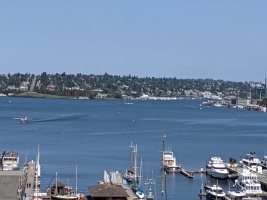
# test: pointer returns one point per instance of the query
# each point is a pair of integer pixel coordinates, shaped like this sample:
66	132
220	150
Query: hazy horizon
183	39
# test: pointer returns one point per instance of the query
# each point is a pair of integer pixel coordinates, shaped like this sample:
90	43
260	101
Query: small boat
140	194
10	160
249	182
215	192
236	192
150	186
216	168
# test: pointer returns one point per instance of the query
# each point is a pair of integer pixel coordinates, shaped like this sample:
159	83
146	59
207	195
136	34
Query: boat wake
59	118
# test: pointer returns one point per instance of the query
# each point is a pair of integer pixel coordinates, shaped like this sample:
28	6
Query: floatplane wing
23	120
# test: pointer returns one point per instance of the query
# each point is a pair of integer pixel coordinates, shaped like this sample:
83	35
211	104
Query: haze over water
95	135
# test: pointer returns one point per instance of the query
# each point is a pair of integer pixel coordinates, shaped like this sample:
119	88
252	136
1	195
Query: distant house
101	96
107	192
50	87
23	88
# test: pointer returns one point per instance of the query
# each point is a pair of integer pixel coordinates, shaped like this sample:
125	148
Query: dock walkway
187	173
118	180
10	184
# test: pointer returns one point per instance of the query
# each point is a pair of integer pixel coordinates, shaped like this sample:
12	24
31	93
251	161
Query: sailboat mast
56	184
37	170
76	180
162	168
135	162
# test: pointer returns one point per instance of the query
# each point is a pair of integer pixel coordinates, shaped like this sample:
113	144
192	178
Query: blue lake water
95	135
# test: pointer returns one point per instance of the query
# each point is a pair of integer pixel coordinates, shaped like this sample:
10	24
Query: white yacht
216	168
249	182
236	192
10	161
215	192
170	164
250	161
264	162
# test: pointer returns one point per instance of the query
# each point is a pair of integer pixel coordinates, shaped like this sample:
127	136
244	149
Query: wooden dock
187	173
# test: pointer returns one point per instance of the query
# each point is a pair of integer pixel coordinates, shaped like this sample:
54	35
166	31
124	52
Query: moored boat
131	176
249	182
216	168
150	189
215	192
169	160
10	160
61	191
236	192
250	161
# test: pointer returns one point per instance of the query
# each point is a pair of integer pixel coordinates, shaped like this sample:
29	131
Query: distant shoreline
39	95
50	96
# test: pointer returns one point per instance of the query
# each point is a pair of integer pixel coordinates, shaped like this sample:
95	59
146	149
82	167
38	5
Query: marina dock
19	184
11	183
187	173
31	181
118	180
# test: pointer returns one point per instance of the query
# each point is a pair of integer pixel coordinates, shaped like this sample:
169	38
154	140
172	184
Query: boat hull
63	197
217	175
213	197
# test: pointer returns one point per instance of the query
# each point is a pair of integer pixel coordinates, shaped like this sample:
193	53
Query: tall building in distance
265	87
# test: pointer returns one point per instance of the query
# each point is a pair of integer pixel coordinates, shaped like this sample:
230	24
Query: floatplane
23	120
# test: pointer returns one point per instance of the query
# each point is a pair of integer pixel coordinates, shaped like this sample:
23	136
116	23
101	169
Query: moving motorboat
216	168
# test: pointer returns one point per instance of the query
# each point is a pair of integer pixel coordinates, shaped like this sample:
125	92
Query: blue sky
184	39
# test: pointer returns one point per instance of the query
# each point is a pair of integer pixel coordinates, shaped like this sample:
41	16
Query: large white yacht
10	161
249	182
170	164
216	168
250	161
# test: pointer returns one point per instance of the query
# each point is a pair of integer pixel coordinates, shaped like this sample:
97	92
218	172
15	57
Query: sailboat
150	189
131	175
162	169
37	179
60	191
140	193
